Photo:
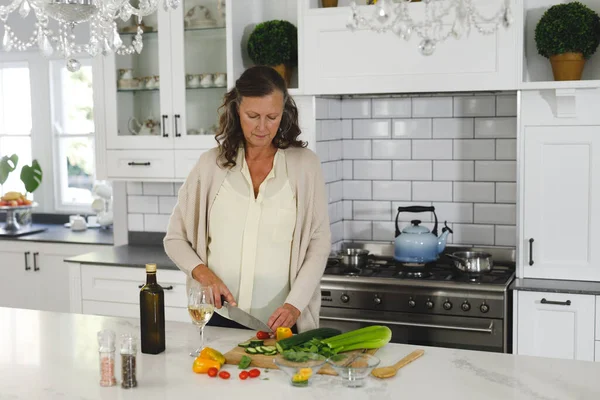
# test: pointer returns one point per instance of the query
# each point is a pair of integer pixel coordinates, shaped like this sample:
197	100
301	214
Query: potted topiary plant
568	34
275	43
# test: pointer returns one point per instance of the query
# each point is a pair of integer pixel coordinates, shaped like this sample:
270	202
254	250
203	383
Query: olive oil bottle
152	314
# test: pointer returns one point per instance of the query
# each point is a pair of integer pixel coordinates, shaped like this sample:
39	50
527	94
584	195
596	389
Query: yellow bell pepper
212	354
283	333
202	365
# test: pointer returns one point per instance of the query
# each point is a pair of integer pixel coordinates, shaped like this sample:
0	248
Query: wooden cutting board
234	356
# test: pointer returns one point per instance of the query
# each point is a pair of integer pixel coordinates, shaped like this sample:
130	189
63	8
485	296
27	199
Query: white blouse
249	239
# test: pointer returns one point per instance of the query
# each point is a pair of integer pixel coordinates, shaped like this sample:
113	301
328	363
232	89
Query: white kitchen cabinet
558	325
17	283
560	188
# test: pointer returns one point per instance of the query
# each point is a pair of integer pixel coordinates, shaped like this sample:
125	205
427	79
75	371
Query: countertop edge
555	286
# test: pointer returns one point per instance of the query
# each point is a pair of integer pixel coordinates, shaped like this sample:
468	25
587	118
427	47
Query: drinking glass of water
201	307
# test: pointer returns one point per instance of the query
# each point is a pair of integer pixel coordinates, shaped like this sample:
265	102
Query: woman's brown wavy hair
258	81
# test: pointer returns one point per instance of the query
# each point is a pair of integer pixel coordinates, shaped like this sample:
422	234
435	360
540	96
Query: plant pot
329	3
285	71
567	66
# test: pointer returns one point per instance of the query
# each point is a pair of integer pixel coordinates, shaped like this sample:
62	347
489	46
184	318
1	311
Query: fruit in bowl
14	199
300	366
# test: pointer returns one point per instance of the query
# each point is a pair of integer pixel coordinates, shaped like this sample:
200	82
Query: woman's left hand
285	316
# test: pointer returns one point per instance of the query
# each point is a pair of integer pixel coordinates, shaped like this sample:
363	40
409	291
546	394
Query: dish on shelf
18	208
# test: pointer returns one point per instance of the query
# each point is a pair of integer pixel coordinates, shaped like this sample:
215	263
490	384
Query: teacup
206	80
220	79
156	81
193	80
125	73
78	223
148	82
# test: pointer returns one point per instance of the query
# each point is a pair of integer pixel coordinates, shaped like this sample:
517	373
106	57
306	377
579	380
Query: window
15	118
73	131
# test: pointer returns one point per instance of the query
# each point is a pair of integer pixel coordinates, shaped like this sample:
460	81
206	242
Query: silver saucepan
472	262
354	258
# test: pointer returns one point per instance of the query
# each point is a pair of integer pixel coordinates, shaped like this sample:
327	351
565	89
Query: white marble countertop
54	356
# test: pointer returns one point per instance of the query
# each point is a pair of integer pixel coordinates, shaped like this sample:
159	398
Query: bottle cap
150	267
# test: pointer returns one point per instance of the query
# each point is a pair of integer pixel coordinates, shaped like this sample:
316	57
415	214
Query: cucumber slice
256	342
271	353
244	344
251	350
269	349
259	349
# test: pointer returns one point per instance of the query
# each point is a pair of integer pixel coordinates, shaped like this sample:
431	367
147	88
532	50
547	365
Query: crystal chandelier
437	25
101	15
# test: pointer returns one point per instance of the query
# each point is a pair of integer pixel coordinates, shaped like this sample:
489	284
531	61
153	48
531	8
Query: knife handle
223	301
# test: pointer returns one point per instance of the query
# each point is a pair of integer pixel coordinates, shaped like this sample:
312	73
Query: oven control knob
411	303
429	304
465	306
447	305
345	298
484	308
377	299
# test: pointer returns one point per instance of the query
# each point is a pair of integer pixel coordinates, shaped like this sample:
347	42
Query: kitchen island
46	355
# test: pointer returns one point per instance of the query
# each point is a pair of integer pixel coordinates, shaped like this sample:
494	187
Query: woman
251	219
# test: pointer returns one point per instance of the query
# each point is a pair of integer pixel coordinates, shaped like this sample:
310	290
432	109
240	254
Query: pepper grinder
128	359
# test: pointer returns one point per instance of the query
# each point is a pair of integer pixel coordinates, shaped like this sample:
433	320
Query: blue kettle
416	244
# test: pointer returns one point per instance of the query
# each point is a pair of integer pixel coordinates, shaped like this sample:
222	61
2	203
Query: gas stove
429	304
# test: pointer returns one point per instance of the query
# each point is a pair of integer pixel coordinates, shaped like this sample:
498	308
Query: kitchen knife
243	318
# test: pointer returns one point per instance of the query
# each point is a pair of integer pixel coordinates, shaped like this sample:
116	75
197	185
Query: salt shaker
128	358
106	350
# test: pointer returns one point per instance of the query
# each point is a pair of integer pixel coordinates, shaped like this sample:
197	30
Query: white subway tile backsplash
357	190
156	222
506	192
143	204
323	151
335	108
506	149
473	234
476	192
412	170
432	191
356	149
496	214
331	129
321	108
347	209
135	222
506	235
347	129
506	106
336	191
431	107
356	108
454	212
437	149
331	210
134	188
177	186
166	204
371	128
372	169
383	231
372	210
357	230
496	171
329	171
390	190
453	128
337	231
453	170
157	188
505	127
347	169
392	149
391	108
474	106
412	128
335	150
474	149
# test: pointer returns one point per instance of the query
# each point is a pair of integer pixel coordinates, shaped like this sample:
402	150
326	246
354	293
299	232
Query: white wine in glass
201	308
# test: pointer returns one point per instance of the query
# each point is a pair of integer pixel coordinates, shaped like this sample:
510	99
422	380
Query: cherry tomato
262	335
224	375
254	373
244	375
212	372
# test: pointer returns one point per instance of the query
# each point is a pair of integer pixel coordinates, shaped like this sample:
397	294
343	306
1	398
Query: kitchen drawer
185	161
110	309
121	285
597	321
140	164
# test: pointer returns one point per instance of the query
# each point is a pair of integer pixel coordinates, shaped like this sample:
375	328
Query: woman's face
260	118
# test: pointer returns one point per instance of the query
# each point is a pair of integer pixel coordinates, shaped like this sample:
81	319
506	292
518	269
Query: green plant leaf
7	165
31	176
274	42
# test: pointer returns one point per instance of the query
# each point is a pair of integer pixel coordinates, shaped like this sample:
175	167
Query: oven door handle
489	330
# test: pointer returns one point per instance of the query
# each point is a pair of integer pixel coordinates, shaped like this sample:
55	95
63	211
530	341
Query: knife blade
243	318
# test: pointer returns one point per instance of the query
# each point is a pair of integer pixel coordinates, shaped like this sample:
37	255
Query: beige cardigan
185	241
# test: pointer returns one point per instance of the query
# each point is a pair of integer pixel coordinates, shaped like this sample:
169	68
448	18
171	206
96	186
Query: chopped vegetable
202	365
244	375
212	372
300	380
244	362
244	344
212	354
254	373
262	335
224	375
283	333
301	338
251	350
256	342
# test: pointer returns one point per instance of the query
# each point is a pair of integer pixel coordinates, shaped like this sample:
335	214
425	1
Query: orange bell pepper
202	365
212	354
283	333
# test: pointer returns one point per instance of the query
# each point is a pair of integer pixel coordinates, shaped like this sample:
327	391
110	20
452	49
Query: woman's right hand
206	277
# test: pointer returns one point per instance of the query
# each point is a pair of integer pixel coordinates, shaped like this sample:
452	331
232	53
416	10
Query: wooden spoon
388	372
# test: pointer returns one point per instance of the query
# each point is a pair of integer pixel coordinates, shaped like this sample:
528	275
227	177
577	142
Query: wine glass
201	307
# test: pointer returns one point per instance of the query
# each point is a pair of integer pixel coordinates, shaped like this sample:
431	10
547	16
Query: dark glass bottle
152	314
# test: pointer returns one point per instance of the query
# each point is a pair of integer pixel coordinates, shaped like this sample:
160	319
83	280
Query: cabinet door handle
531	251
164	125
27	267
164	287
557	303
139	164
35	263
177	134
